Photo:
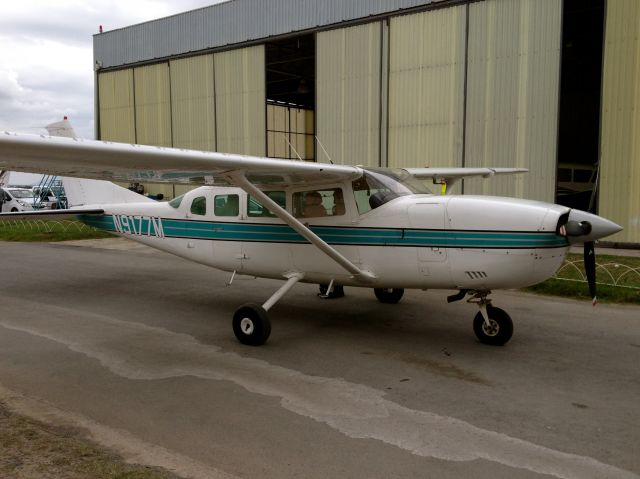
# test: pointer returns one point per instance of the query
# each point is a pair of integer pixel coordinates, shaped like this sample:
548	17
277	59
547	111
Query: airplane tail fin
81	192
61	128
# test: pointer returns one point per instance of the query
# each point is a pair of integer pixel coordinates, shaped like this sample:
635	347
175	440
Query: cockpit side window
226	205
199	206
318	203
255	208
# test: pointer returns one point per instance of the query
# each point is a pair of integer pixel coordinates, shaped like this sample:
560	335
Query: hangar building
549	85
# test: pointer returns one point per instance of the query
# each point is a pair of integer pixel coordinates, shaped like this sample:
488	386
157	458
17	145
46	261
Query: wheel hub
246	325
492	328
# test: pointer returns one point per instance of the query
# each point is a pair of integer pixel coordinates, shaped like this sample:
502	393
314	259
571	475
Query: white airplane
318	223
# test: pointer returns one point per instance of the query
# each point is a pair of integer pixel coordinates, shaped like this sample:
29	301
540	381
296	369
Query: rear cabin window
175	203
256	209
318	203
226	205
199	206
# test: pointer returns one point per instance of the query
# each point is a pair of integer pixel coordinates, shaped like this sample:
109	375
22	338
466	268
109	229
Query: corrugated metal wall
116	112
231	23
193	103
512	94
153	105
620	143
348	92
240	101
426	88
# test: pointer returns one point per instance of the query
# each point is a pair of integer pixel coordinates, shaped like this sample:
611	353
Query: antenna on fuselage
291	146
323	149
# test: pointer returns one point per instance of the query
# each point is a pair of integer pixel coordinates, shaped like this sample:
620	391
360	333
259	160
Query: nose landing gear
491	325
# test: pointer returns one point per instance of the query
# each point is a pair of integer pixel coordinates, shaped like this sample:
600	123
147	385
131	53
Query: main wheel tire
251	324
500	330
389	295
14	210
338	291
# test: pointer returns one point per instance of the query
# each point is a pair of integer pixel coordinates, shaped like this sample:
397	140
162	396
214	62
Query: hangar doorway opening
580	90
290	91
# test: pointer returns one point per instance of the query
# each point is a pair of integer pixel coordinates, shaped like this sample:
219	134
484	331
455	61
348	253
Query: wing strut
241	180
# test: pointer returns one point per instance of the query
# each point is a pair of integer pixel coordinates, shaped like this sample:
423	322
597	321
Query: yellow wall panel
348	92
240	99
116	106
619	197
426	88
512	94
193	103
153	110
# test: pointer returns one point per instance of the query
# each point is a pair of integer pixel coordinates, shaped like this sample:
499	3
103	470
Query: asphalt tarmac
135	347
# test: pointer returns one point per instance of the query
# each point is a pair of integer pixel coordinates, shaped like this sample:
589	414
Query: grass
30	449
48	230
610	269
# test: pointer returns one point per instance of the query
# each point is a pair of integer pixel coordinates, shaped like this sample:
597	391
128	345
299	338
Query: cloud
47	56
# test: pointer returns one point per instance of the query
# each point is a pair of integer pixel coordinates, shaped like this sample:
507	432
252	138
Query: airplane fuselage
414	241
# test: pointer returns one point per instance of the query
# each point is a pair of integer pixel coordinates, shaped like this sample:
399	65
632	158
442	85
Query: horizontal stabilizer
447	177
44	214
458	173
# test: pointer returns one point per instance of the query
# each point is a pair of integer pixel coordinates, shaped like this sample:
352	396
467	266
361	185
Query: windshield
399	181
380	185
21	193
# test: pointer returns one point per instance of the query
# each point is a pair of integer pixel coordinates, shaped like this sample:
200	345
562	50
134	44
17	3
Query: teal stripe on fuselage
271	233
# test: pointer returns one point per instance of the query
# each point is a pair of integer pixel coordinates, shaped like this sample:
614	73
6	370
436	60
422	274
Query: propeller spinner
586	228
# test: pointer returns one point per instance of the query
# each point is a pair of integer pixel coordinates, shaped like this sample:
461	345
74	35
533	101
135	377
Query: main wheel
338	291
14	210
498	332
251	325
389	295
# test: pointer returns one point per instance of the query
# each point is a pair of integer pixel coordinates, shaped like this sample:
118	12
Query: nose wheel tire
499	330
389	295
251	325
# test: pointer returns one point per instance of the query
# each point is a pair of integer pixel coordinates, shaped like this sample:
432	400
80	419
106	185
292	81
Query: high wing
123	162
447	177
138	163
102	160
152	164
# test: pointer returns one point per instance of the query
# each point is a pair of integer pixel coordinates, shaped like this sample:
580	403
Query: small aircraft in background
328	224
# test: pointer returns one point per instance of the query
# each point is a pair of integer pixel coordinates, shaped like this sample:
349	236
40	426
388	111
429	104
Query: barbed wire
45	226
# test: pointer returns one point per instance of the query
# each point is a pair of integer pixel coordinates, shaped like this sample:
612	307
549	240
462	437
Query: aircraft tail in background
81	192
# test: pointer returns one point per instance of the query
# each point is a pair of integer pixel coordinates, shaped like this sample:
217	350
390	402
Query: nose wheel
493	326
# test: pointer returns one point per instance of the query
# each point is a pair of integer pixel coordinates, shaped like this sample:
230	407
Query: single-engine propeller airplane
321	223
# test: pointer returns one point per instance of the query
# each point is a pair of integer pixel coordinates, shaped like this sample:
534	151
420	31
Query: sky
46	56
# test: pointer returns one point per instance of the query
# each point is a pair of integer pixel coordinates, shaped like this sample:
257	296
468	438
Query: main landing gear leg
492	325
251	323
331	291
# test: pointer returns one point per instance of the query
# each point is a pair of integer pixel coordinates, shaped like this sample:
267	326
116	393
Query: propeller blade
590	268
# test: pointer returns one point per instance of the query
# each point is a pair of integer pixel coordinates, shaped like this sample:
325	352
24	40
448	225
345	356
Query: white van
16	199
